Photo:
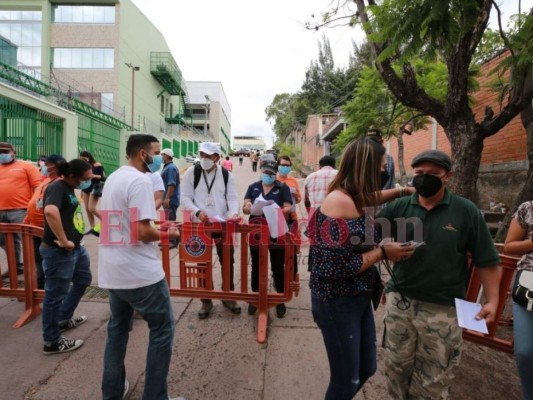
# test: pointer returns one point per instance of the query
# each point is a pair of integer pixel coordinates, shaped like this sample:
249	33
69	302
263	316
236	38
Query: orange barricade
31	296
196	267
474	294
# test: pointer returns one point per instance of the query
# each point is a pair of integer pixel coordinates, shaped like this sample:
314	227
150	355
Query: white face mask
206	163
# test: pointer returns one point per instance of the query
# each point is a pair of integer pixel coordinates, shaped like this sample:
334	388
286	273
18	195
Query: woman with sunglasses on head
341	261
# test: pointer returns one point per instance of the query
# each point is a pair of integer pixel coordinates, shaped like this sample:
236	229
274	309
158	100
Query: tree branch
502	35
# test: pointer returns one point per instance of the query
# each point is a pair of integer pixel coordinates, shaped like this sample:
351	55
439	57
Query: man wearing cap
388	174
18	180
35	213
208	191
171	180
422	337
270	189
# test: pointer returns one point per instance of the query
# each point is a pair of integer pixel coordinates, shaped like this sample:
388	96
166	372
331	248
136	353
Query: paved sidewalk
217	358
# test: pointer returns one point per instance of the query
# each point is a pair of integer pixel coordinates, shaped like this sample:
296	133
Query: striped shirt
316	185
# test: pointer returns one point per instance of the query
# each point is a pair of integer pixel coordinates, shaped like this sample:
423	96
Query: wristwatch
197	213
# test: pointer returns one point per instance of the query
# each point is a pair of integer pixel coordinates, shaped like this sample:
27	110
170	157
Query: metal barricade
474	293
29	293
196	266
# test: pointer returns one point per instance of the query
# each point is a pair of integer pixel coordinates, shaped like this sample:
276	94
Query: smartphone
411	243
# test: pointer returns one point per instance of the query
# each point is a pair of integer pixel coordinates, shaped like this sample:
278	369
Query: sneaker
251	309
126	388
72	323
62	345
204	312
281	310
232	306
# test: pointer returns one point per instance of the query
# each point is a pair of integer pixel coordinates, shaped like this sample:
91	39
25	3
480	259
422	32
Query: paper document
466	316
259	203
277	225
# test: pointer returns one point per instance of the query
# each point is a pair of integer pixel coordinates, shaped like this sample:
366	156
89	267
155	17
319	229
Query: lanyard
209	187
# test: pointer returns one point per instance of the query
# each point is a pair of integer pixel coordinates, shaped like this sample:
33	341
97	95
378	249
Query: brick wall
507	146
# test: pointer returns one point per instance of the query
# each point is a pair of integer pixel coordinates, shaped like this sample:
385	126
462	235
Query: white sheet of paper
277	225
259	203
466	316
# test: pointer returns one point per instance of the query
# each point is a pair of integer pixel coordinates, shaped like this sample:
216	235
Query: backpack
225	176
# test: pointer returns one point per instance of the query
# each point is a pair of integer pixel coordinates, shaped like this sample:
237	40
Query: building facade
102	58
249	142
211	112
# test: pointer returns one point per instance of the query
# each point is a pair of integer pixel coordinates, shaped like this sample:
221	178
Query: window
21	31
84	14
85	58
162	104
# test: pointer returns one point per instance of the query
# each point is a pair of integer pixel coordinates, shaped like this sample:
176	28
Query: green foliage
325	87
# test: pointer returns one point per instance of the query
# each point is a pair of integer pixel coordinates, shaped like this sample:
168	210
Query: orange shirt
18	181
292	183
35	212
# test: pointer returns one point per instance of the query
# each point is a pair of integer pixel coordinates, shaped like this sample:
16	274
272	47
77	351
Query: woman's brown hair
359	173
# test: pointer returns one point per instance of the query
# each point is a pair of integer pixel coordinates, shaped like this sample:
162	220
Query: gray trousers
13	217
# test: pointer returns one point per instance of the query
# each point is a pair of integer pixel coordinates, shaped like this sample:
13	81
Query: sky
257	49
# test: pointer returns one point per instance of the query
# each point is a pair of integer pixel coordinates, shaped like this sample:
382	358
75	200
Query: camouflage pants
422	349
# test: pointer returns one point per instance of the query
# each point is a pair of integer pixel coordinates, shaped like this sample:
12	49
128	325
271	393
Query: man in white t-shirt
129	267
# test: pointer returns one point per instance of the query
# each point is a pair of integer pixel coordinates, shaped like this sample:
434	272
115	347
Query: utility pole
133	70
207	103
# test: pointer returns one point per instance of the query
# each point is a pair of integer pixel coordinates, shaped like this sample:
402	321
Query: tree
449	31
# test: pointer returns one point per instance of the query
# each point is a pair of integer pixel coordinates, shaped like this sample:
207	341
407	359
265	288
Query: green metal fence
31	132
176	148
165	144
101	140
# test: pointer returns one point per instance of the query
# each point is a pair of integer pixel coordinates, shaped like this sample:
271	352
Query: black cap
270	166
435	157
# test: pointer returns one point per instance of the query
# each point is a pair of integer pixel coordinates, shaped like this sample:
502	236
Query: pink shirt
228	165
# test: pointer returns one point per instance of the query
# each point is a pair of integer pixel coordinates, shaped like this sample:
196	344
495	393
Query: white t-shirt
123	261
157	181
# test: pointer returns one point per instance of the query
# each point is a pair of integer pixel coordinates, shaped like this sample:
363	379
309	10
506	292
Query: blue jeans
153	303
523	347
61	268
347	325
13	217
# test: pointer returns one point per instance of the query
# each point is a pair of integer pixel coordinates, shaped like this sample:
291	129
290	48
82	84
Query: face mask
84	184
427	185
284	169
5	158
44	171
155	163
384	178
268	179
206	163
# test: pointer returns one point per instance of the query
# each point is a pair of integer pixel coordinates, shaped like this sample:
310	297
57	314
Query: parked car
192	159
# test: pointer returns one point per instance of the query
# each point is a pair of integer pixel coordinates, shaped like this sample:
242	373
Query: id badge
39	203
210	202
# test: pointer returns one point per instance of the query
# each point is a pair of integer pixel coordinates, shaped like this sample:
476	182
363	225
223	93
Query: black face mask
384	178
427	185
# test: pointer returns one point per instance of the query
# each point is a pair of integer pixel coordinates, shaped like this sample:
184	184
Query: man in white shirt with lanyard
209	191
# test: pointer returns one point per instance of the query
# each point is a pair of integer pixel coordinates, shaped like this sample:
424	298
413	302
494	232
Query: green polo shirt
438	271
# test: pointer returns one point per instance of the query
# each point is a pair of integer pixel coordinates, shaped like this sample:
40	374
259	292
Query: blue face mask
154	166
84	184
268	179
284	169
6	158
44	171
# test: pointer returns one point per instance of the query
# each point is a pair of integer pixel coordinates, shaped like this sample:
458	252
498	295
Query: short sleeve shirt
280	193
171	177
438	271
61	195
524	216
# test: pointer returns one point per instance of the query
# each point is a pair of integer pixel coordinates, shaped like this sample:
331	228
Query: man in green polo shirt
422	337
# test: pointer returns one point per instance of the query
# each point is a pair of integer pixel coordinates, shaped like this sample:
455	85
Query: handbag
523	289
99	189
377	293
